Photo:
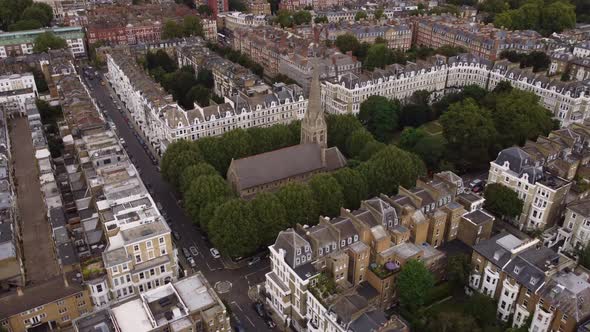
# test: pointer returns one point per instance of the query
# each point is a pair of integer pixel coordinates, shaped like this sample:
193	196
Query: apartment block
397	35
567	101
231	21
582	50
132	24
248	103
185	305
15	91
22	42
259	7
49	305
530	280
482	40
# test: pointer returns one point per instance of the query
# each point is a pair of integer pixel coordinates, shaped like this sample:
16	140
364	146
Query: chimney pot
19	291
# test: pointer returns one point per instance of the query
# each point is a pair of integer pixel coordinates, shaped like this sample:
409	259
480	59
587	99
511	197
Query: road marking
248	318
237	305
251	273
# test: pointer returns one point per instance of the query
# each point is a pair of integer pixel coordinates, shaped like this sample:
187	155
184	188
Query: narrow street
231	282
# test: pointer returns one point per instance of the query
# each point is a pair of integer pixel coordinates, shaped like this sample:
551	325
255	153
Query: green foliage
390	168
537	15
518	116
16	15
470	132
354	187
284	18
237	5
453	322
378	13
298	200
327	194
380	116
458	270
538	60
197	94
413	283
160	59
205	10
238	57
357	142
48	41
502	201
379	56
232	218
360	15
347	43
584	256
320	19
40	81
190	26
302	17
270	216
482	308
339	129
201	191
192	172
179	155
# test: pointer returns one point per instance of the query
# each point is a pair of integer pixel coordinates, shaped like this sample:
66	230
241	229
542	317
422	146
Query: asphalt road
232	282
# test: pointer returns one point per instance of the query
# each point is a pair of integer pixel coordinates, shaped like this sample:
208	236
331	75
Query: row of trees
538	15
182	83
288	19
195	168
190	26
16	15
48	41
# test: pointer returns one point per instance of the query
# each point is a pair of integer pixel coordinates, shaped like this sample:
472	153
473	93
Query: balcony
384	271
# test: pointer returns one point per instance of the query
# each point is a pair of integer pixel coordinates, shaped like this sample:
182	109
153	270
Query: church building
270	170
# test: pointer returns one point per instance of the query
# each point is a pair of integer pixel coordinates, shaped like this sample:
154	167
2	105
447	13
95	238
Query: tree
371	148
347	43
390	168
360	15
205	10
518	116
354	187
48	41
192	26
470	133
449	51
482	308
205	78
21	25
340	128
446	321
327	193
458	269
320	19
378	56
431	150
502	201
233	229
378	13
413	284
558	16
298	200
415	115
178	156
41	12
538	60
198	94
357	142
302	17
270	216
192	172
171	30
237	5
202	190
235	144
410	137
380	116
284	18
583	255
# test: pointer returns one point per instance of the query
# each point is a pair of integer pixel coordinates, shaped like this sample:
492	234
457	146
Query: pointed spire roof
314	106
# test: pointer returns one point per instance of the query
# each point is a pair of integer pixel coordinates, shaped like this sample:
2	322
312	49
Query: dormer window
349	240
517	269
356	238
343	243
321	251
298	251
307	248
297	261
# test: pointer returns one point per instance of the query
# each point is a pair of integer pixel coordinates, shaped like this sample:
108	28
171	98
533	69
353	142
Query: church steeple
313	126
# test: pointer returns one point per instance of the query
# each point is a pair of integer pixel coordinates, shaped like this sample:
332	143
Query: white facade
582	50
17	82
163	121
566	102
15	90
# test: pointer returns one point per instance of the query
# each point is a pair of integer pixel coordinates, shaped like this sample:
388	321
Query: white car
215	253
191	261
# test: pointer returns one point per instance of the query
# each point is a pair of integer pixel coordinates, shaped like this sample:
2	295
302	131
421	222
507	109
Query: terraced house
352	261
567	101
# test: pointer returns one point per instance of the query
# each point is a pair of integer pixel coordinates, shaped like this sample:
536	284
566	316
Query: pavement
233	280
40	261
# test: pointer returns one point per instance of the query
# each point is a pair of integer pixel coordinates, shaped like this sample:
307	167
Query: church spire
313	126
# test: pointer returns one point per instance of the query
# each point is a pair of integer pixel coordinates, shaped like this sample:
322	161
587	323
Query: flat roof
131	316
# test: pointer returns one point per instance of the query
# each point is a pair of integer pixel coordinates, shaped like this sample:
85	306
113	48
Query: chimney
66	283
19	291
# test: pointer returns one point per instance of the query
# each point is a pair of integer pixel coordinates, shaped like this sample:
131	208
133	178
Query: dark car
176	235
239	328
259	307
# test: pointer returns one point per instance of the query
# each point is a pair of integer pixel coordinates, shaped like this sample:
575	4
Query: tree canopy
48	41
327	194
537	15
16	15
502	201
380	116
413	284
232	218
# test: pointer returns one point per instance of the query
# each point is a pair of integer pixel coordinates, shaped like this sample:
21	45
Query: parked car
215	253
122	141
186	253
192	262
259	308
239	328
475	183
194	251
254	260
176	235
159	206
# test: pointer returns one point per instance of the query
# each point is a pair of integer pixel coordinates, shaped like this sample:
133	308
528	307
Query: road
232	284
